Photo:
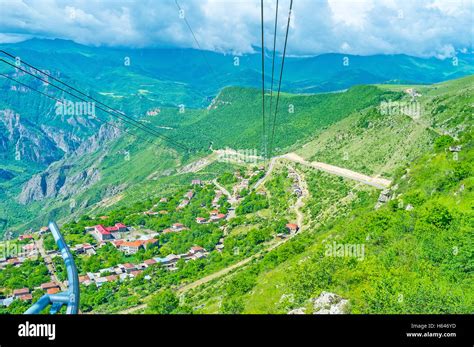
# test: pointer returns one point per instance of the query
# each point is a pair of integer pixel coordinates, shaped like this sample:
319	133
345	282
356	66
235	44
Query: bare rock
329	303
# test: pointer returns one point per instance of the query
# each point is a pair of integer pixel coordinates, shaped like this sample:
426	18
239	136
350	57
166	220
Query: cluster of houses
24	294
15	254
214	216
125	271
295	187
412	92
187	199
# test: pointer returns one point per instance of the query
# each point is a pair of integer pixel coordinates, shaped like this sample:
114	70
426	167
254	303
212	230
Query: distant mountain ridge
203	73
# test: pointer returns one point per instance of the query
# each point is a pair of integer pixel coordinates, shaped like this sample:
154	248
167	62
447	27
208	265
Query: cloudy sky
415	27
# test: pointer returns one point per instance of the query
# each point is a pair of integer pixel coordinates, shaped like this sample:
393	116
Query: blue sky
415	27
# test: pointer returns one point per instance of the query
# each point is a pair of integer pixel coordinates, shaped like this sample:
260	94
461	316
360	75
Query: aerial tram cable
118	114
122	114
281	75
197	42
264	137
273	56
61	101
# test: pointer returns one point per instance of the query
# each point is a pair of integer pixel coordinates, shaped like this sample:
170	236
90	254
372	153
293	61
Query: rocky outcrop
326	303
24	141
329	303
64	178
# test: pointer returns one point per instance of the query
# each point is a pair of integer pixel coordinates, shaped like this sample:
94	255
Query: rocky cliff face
22	140
64	178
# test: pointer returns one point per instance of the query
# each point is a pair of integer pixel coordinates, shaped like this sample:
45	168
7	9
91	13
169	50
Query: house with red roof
85	280
218	217
19	292
49	285
111	278
102	233
129	267
292	228
183	204
26	297
149	262
25	237
135	273
53	291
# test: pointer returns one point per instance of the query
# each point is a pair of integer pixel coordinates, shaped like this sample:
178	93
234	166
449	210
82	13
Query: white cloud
415	27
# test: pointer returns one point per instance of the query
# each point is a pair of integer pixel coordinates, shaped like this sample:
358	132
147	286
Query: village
131	239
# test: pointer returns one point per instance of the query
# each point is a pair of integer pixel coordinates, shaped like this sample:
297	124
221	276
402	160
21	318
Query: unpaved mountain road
377	182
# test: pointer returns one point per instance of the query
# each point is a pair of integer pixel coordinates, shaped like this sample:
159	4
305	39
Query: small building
100	281
19	292
149	262
455	148
292	228
25	237
196	249
182	204
163	200
178	227
43	230
135	273
131	247
26	297
201	220
49	285
196	182
85	280
129	267
111	278
53	290
218	217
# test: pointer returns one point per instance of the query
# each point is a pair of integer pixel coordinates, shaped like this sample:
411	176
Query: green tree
165	302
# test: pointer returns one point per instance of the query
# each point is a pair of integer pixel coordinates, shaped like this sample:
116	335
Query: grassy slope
377	144
417	261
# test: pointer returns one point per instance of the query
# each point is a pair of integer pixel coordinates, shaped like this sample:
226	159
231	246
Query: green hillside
417	247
